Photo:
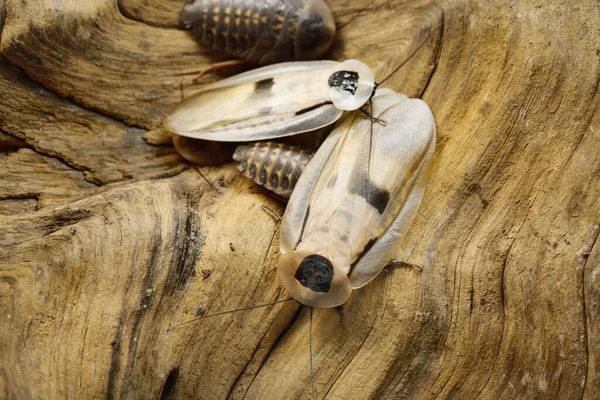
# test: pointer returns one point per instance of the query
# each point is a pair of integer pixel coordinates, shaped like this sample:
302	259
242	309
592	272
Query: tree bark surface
108	241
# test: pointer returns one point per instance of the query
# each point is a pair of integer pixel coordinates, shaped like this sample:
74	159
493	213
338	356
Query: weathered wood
158	13
108	242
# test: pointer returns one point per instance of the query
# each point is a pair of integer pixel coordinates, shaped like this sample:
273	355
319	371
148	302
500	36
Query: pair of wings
266	103
371	175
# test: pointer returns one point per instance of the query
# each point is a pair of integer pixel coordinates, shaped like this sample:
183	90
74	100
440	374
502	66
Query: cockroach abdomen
275	166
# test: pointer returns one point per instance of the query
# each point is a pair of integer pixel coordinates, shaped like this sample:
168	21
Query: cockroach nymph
276	166
262	31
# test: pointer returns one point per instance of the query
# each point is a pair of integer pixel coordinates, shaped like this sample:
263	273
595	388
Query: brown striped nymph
262	31
276	166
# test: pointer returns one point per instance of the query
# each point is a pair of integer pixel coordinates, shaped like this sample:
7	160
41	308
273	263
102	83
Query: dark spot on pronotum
231	247
344	80
206	273
316	273
170	386
344	238
311	108
264	86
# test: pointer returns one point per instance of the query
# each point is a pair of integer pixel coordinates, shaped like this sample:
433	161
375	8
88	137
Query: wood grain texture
163	13
108	242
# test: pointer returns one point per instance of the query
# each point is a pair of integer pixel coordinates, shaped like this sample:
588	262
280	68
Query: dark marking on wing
264	86
308	109
364	251
361	185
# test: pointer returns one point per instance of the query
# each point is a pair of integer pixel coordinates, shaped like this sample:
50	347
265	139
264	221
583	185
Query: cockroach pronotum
262	31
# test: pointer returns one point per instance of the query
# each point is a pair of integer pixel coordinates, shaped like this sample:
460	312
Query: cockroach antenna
368	113
231	311
377	84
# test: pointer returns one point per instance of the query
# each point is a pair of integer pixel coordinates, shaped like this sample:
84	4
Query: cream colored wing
297	207
265	103
369	187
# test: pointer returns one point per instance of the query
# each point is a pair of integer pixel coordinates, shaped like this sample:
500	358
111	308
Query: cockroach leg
403	264
371	117
218	66
272	213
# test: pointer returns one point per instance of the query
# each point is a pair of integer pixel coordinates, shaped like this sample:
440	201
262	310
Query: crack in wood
438	52
60	158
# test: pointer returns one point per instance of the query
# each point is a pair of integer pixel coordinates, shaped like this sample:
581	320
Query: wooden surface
106	241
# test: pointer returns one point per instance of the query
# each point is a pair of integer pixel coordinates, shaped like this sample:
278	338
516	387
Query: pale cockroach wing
270	102
355	200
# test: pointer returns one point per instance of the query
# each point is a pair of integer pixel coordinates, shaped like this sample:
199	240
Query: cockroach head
315	32
313	280
351	85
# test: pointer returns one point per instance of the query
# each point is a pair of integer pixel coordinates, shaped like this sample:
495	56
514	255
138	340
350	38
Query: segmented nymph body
262	31
276	166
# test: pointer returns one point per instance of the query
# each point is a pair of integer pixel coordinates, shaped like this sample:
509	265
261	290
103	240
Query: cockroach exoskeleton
261	31
276	166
